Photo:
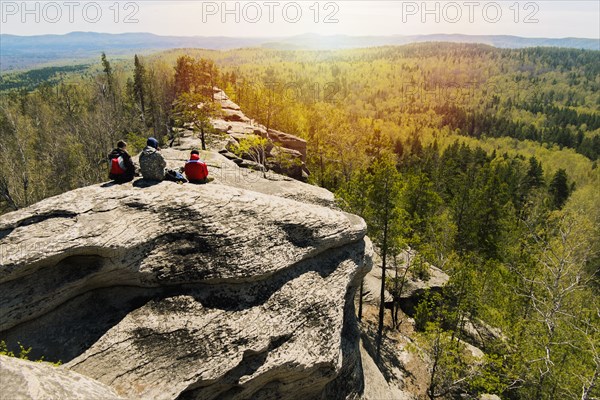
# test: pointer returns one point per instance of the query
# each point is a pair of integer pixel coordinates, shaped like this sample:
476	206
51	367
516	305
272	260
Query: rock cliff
241	288
285	153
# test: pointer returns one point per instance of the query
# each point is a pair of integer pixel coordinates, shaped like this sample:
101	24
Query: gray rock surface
376	386
414	287
227	172
168	291
26	380
489	397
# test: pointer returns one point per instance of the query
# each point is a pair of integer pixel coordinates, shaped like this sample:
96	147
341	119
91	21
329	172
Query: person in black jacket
121	165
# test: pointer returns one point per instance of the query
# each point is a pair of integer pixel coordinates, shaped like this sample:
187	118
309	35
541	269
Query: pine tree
535	174
138	86
195	110
384	218
559	189
107	69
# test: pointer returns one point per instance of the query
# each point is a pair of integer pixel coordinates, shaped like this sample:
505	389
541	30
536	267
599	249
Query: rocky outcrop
480	334
414	287
286	154
228	172
289	142
242	288
21	379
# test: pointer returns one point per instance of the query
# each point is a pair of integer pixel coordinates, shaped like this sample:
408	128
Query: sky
548	18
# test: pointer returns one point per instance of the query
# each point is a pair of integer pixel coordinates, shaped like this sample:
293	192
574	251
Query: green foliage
254	147
135	142
194	110
451	370
425	311
23	353
493	377
420	269
30	80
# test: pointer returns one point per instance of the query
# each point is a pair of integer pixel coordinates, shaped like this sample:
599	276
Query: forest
483	160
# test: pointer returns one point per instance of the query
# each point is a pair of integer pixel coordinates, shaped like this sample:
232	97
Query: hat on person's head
152	143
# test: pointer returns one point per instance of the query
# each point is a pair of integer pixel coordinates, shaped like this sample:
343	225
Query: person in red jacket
196	170
121	166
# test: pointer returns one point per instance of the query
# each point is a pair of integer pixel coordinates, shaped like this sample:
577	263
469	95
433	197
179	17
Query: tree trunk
202	137
382	292
406	269
360	301
395	304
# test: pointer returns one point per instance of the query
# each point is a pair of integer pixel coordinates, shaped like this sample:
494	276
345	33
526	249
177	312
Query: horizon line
303	34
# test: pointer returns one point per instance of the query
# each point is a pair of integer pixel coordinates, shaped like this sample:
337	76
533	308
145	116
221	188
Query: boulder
232	145
287	162
238	127
414	287
22	379
288	141
480	334
435	280
224	100
169	291
234	115
489	397
376	385
245	163
229	155
226	171
282	152
372	287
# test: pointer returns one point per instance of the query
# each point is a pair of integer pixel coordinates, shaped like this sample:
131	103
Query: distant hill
23	52
314	41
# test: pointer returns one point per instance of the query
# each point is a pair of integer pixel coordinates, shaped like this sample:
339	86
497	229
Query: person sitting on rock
152	163
122	168
196	170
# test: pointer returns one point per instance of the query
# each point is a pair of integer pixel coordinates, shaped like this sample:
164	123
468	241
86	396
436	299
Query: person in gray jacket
152	163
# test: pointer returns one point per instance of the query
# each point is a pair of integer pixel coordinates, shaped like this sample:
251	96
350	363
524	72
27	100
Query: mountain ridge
22	52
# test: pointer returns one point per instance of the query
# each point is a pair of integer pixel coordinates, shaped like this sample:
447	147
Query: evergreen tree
138	86
107	69
193	109
385	220
535	174
559	189
184	75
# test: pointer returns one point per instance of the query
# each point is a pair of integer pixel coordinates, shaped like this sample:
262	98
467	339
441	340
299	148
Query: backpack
174	176
117	166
